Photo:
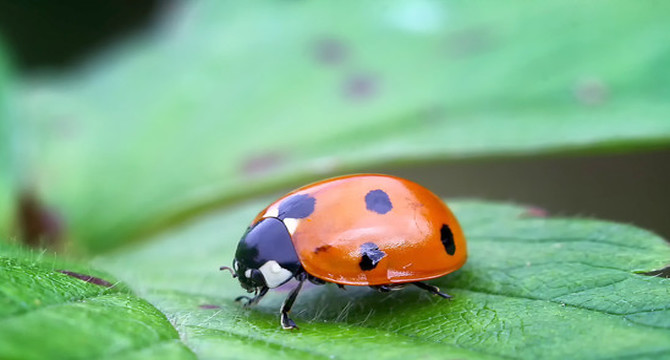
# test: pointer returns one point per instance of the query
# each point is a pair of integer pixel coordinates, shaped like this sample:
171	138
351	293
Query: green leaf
233	98
50	309
549	288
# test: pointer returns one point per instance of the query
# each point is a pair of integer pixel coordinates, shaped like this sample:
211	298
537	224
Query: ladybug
362	230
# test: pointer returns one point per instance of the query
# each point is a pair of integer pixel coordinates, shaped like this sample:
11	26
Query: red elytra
328	241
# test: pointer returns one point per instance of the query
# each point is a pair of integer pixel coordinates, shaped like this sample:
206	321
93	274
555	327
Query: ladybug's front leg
431	289
286	322
254	300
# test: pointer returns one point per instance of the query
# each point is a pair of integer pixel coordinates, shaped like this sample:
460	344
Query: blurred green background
137	139
123	118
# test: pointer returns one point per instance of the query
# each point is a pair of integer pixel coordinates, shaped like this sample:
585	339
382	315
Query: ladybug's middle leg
431	289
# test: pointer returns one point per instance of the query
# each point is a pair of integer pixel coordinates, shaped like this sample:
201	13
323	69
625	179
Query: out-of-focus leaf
533	288
228	98
50	309
6	144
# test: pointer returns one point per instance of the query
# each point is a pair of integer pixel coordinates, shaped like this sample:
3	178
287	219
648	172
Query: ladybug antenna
229	269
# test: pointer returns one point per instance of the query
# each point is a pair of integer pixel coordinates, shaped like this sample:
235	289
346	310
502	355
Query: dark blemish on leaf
447	238
322	248
663	273
209	306
370	256
296	207
378	201
591	91
330	51
263	164
87	278
535	212
361	87
39	225
469	42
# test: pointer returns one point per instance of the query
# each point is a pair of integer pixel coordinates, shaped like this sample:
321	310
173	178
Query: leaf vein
490	238
621	315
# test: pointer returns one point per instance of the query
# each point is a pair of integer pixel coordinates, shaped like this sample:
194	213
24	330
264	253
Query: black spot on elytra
371	255
322	248
447	238
296	207
378	201
87	278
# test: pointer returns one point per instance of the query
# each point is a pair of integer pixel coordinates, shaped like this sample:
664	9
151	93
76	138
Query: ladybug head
265	256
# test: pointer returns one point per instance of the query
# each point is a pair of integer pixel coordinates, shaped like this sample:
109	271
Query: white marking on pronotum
274	274
291	224
248	273
272	212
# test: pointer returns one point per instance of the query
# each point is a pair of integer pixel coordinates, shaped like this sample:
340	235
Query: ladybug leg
388	287
286	322
382	288
315	280
254	300
431	289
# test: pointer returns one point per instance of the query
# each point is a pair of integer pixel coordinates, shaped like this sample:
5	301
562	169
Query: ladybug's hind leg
315	280
388	287
286	322
431	289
